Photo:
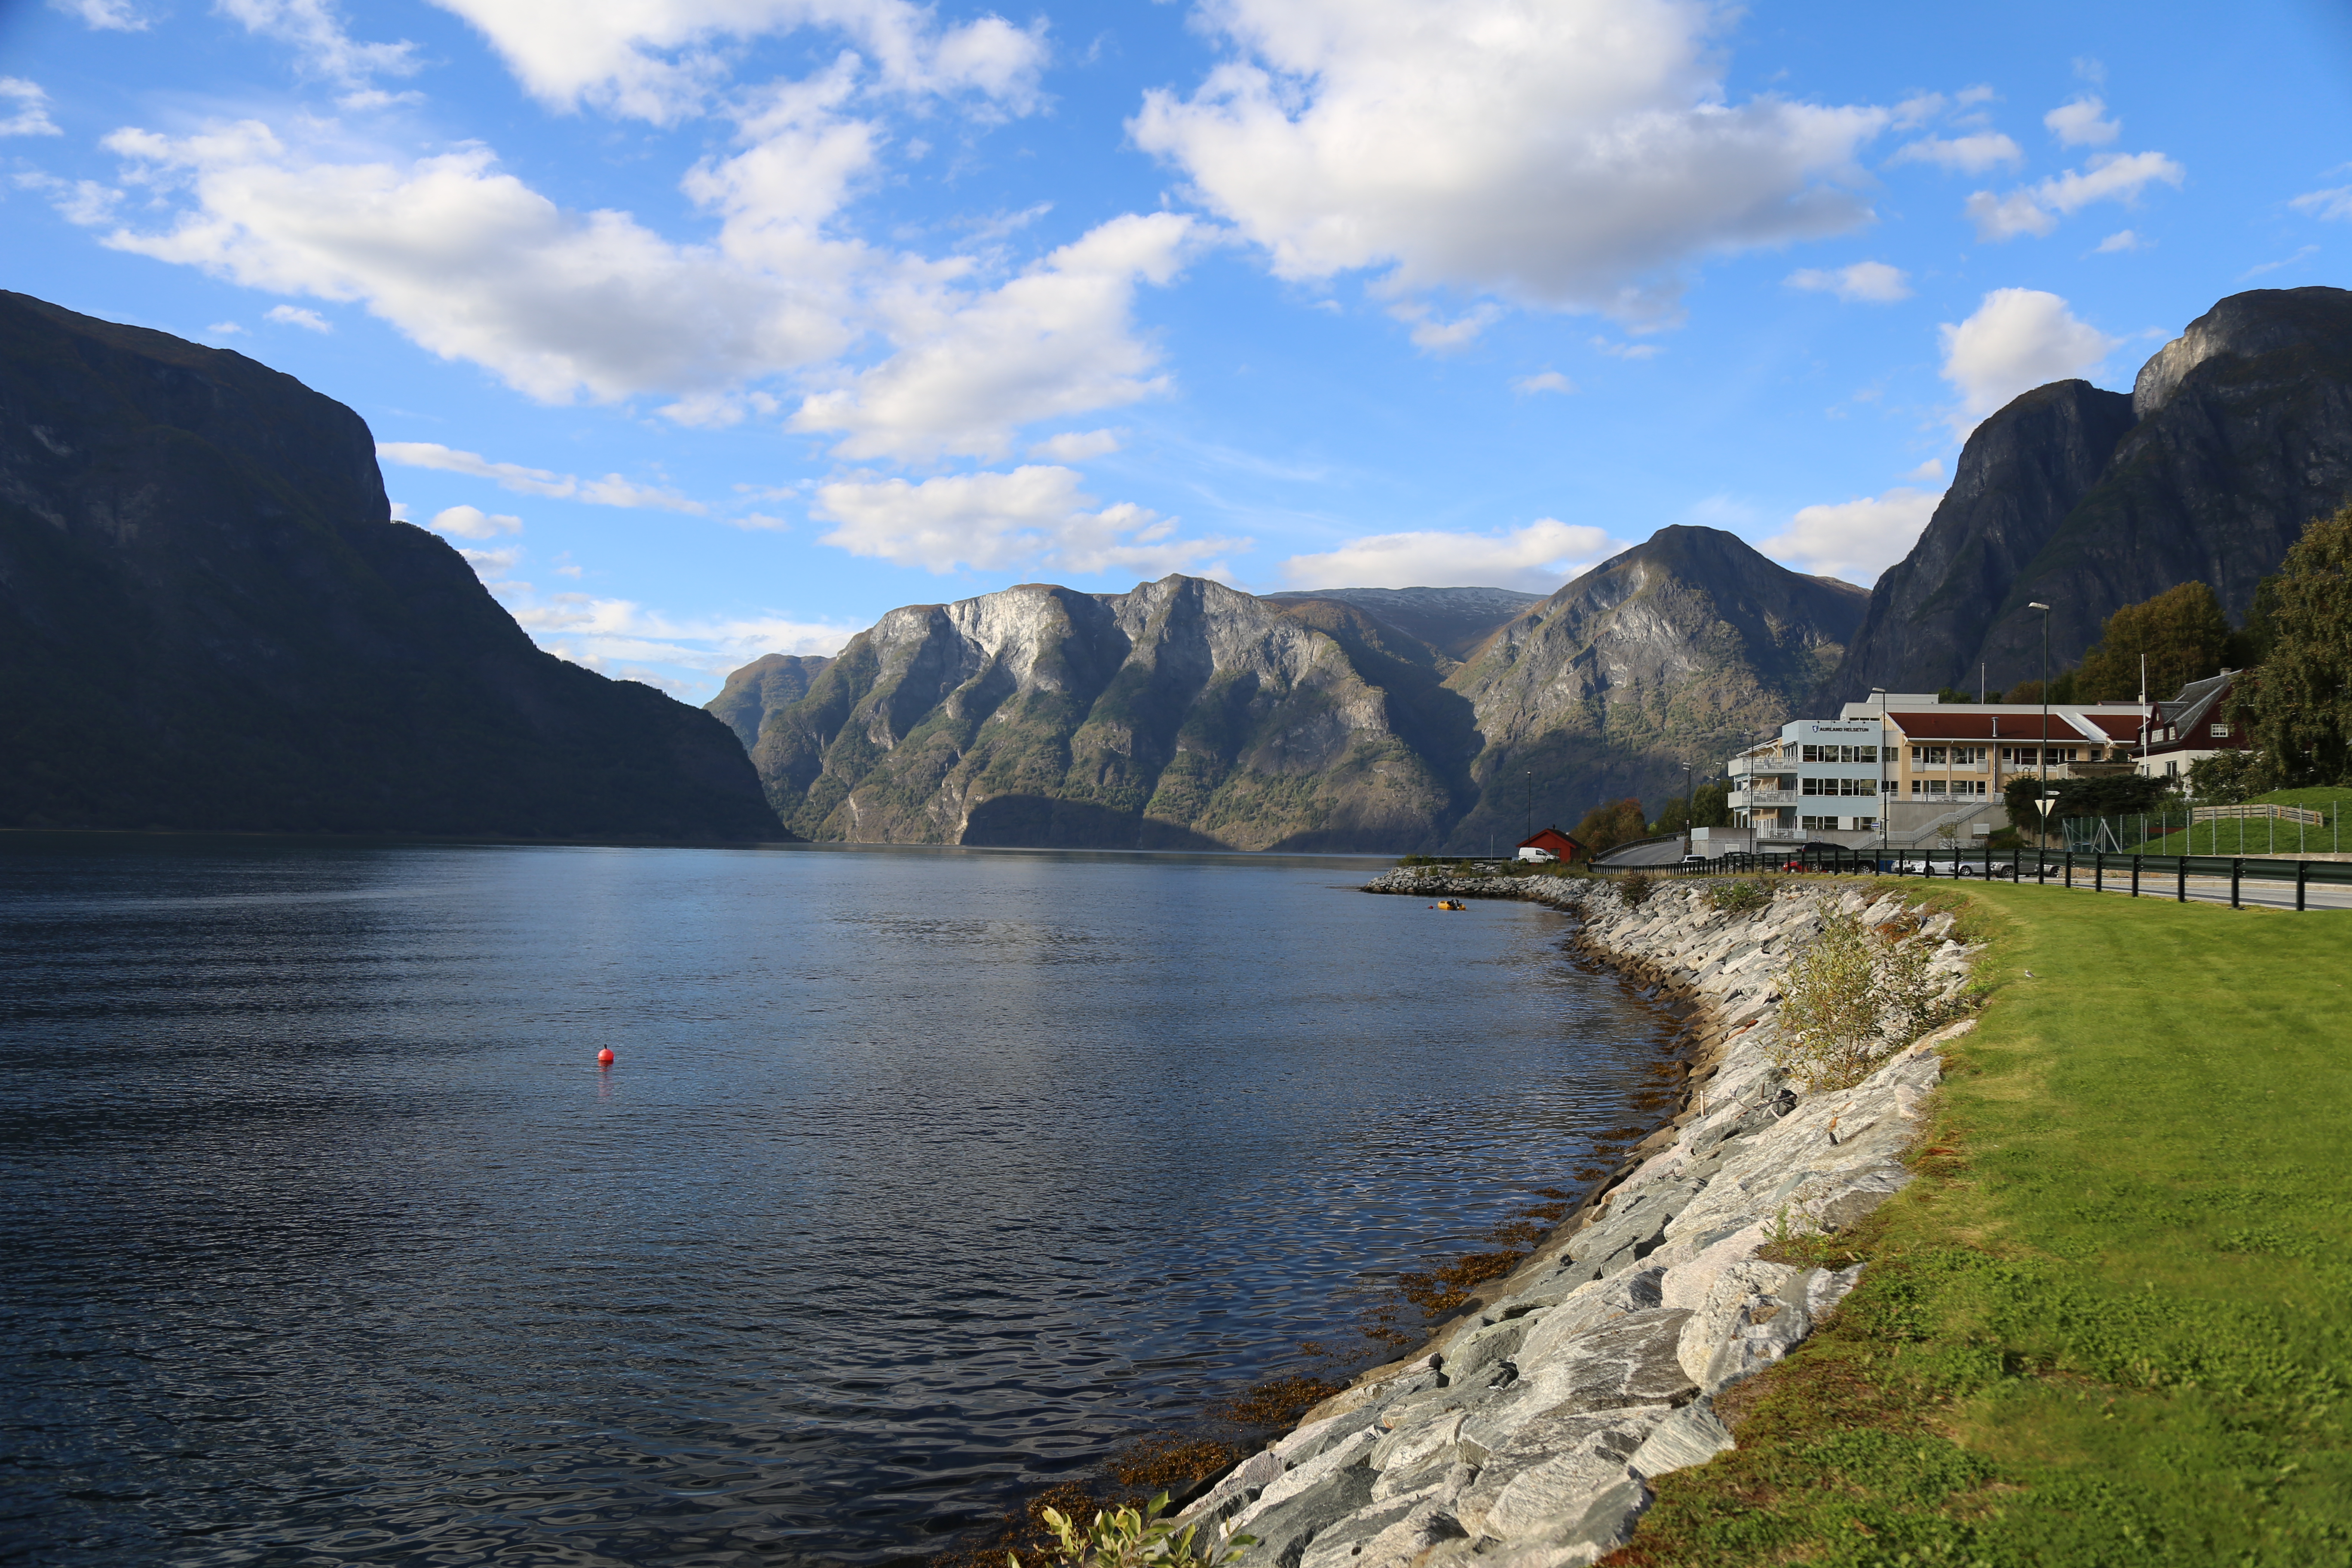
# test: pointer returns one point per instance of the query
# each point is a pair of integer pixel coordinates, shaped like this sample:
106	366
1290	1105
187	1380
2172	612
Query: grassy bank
2111	1322
2239	835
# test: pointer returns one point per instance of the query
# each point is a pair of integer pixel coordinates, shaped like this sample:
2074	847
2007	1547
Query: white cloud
24	108
2018	339
1539	558
1034	514
317	33
1970	154
2331	204
621	638
2305	253
2121	241
83	201
661	59
109	15
2109	177
2079	123
610	491
223	329
1626	351
1856	539
1434	336
1544	381
473	522
493	566
1571	154
1077	446
972	367
1928	471
1871	280
295	316
473	265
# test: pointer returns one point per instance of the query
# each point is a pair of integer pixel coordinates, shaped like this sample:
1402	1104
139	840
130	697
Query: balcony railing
1751	797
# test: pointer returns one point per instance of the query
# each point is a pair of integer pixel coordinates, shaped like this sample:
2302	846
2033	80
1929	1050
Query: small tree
2182	633
1606	826
2300	702
1851	998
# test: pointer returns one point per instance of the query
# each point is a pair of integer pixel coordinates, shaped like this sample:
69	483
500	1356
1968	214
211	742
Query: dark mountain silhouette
209	620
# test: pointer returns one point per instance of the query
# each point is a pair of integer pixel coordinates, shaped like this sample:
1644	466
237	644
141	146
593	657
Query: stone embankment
1528	1433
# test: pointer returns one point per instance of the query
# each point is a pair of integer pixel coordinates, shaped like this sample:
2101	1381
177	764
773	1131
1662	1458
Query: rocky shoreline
1528	1431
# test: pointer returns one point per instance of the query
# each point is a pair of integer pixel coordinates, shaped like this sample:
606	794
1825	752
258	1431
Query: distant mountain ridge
208	619
2235	435
1185	713
1454	622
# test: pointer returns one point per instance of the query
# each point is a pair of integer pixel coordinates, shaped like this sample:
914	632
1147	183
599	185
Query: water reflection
919	1178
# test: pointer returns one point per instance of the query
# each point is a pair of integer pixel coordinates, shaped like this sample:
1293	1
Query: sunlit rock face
1187	713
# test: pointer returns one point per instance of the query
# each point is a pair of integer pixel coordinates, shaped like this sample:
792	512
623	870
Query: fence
2263	828
2271	809
2153	876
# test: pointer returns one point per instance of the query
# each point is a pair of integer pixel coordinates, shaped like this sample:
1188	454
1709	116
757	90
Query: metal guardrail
2099	871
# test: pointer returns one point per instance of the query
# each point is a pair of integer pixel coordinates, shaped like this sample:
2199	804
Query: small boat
1452	904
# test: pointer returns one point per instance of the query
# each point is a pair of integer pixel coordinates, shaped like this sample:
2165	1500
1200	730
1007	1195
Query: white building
1906	771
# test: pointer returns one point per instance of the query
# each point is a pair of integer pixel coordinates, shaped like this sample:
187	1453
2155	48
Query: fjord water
922	1177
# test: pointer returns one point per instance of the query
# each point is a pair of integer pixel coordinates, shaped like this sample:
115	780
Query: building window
1863	823
2017	756
1818	824
1929	757
1840	754
1932	789
1891	787
1966	756
2221	731
2173	769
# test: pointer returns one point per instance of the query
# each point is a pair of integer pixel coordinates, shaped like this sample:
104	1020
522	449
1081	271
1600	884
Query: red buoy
605	1056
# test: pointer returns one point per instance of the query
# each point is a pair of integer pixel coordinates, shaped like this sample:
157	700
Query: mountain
208	620
1682	649
2236	435
1454	622
771	682
1182	713
1185	713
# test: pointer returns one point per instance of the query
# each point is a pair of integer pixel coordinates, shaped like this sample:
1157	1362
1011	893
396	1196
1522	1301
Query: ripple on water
923	1178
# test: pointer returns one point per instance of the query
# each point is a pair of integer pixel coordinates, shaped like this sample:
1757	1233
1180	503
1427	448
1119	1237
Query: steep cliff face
1180	713
209	620
768	684
2237	434
1679	650
2022	470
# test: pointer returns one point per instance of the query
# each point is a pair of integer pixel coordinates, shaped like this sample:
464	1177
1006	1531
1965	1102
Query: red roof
1553	839
2117	726
2008	726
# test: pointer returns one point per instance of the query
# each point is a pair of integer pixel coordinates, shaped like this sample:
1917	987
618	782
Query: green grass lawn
2111	1322
2257	836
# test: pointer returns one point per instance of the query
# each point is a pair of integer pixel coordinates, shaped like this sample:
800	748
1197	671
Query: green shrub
1738	897
1127	1539
1636	887
1849	999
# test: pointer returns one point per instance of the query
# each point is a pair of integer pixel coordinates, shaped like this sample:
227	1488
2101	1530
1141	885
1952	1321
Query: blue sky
715	327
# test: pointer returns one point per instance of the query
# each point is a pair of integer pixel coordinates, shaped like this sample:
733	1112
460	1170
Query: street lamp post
1531	802
1690	793
1879	805
2042	800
